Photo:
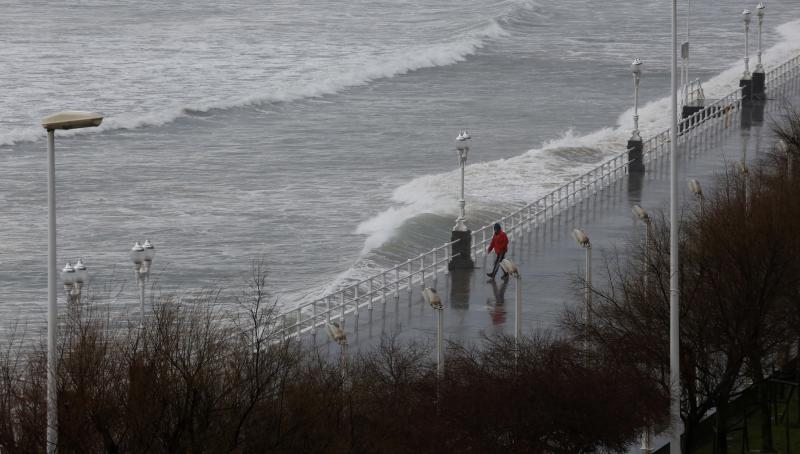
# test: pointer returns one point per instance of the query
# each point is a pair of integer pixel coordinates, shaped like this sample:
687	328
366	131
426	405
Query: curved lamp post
70	119
142	256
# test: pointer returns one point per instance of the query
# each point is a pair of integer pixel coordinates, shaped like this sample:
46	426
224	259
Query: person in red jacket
499	245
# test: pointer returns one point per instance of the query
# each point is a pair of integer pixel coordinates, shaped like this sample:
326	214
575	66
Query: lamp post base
758	85
747	90
635	156
461	251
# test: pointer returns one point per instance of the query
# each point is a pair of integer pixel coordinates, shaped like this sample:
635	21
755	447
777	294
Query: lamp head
461	141
137	253
641	213
746	16
149	250
636	67
71	119
81	274
336	333
68	274
432	298
581	237
741	167
509	267
782	147
695	187
760	9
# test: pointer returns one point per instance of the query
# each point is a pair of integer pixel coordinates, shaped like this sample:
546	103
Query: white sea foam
525	177
285	82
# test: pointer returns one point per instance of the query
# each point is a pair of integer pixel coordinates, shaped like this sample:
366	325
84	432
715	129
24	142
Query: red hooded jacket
499	242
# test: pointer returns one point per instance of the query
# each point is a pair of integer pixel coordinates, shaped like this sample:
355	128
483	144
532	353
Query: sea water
318	135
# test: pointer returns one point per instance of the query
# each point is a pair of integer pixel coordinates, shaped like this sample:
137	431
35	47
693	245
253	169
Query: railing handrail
596	178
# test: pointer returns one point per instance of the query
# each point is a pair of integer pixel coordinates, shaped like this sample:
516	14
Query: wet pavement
551	263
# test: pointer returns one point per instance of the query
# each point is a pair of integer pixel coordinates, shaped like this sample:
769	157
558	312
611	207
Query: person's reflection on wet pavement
497	311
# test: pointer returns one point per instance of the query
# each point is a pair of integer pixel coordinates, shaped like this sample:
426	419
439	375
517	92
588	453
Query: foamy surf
528	176
324	79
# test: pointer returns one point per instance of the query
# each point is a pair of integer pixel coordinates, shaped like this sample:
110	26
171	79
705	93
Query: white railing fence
425	268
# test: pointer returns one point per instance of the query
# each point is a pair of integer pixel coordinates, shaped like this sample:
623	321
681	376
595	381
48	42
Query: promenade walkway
550	260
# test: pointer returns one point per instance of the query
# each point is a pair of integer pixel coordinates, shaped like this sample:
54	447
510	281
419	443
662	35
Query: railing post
435	266
409	277
342	305
371	294
397	282
314	321
283	327
328	308
299	319
447	258
422	271
383	287
355	299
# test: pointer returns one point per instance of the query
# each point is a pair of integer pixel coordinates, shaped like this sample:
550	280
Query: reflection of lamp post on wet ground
583	240
142	257
640	213
741	167
511	268
62	120
697	190
462	248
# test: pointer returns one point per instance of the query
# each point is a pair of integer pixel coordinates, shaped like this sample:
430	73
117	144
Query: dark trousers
497	259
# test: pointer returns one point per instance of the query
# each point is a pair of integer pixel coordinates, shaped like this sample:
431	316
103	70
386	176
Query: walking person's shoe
505	276
491	275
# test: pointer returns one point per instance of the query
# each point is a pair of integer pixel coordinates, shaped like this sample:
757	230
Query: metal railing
555	201
782	73
364	294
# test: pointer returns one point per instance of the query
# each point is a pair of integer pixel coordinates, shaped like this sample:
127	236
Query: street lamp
783	148
511	268
461	236
760	13
74	277
697	190
432	298
142	256
583	240
746	19
640	213
63	120
463	149
337	334
636	69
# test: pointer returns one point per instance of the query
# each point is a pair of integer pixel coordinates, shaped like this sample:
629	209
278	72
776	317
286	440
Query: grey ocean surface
317	135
